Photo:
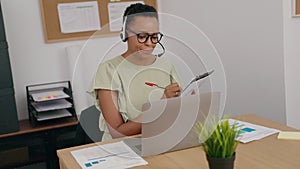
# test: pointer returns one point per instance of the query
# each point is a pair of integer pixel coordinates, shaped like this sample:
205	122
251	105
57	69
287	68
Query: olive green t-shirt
128	80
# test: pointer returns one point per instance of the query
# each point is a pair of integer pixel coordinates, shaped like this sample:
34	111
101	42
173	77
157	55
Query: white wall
249	38
34	61
292	60
248	35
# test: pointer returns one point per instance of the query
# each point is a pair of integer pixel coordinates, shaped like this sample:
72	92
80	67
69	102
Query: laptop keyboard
139	147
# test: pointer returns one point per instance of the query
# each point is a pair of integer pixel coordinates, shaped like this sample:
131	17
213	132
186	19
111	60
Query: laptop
167	124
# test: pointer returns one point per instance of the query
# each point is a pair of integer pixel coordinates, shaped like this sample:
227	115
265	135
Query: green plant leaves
220	143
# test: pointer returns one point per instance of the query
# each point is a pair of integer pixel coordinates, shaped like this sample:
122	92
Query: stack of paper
50	95
114	155
53	114
289	135
53	105
250	132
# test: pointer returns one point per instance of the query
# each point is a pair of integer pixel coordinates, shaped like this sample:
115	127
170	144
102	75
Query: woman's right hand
108	102
172	90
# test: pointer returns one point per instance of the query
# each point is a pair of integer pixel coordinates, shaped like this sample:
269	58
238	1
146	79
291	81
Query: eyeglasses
143	37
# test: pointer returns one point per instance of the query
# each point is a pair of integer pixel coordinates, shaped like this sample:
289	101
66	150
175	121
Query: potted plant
218	139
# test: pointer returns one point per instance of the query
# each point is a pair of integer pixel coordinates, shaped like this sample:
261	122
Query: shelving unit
49	101
33	145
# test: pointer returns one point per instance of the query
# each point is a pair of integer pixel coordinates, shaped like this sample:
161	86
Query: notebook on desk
167	124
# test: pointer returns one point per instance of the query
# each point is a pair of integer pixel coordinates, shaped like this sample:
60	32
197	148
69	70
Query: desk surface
267	153
25	126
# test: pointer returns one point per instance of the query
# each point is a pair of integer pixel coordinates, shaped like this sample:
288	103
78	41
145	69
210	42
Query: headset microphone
160	54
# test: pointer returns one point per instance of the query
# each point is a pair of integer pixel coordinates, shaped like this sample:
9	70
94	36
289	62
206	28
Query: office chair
88	127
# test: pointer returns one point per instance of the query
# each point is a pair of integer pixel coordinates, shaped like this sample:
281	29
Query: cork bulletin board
51	24
296	8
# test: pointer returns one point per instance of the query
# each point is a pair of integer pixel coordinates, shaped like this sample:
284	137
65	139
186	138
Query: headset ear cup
123	35
126	38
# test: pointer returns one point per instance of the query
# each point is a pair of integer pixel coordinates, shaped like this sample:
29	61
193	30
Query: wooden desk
44	136
26	128
267	153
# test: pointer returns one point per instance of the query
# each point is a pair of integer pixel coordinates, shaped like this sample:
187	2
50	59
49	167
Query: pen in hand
153	85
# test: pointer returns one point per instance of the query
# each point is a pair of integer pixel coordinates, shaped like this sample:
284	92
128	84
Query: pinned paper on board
115	12
79	16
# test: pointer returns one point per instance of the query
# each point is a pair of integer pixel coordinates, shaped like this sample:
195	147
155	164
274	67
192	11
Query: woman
119	83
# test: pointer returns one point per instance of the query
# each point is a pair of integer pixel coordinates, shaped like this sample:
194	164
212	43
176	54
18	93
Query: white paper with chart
249	132
115	155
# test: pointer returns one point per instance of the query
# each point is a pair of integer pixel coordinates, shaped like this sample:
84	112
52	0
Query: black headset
123	34
124	38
